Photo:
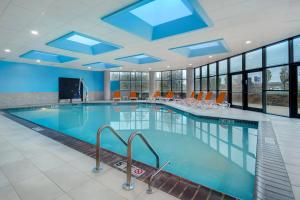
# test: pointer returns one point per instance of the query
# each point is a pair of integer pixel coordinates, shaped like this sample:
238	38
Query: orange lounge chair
189	100
117	96
133	95
169	95
219	102
206	100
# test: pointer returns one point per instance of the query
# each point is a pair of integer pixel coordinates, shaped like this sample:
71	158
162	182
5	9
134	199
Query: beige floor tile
155	196
8	193
47	161
87	164
20	170
66	177
10	156
114	179
37	188
92	190
3	180
64	197
5	146
296	191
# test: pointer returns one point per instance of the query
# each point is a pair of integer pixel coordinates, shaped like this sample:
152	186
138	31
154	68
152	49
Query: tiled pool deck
23	149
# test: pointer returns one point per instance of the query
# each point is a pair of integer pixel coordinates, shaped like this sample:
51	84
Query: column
151	83
107	85
189	81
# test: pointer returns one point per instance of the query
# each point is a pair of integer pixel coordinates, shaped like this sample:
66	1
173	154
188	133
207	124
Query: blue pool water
215	153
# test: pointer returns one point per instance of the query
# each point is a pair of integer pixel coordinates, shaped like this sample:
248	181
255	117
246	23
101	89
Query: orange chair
192	95
200	96
208	96
169	95
155	95
133	95
117	96
221	98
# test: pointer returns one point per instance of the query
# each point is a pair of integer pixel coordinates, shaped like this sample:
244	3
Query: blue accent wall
21	77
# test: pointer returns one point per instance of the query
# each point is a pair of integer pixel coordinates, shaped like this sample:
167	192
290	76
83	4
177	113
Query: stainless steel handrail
151	179
100	130
128	185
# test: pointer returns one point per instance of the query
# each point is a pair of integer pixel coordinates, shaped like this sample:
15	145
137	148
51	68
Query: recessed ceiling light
168	66
248	42
7	50
34	32
190	64
210	56
149	68
89	67
38	61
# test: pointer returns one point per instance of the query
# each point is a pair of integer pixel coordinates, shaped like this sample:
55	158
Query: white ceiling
261	21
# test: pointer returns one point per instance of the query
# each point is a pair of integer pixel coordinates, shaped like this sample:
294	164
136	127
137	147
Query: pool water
215	153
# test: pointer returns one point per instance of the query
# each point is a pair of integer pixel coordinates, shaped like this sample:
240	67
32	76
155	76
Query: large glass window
278	90
254	59
236	64
172	81
237	90
296	49
278	54
223	82
132	81
212	69
197	79
223	67
255	89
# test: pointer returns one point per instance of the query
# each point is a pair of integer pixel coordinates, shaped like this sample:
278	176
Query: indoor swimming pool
217	153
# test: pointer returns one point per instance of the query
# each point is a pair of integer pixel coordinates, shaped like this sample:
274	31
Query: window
171	81
132	81
277	90
222	82
212	69
114	76
223	67
296	48
254	59
236	64
237	90
197	79
277	54
204	71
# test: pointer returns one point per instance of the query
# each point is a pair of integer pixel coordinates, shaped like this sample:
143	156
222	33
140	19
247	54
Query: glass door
254	90
237	90
298	90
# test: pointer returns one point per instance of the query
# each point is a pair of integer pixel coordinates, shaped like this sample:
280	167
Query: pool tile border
174	185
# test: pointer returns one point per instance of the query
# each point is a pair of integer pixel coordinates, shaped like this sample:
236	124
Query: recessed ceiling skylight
82	43
161	11
202	49
102	65
139	59
155	19
83	40
48	57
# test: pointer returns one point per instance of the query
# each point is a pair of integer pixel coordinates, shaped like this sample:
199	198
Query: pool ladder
128	185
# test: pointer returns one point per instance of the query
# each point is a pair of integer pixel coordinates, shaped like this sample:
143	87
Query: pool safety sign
135	171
